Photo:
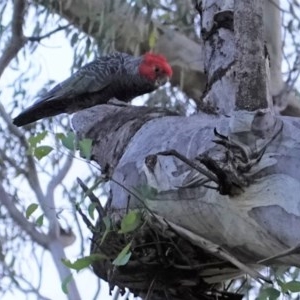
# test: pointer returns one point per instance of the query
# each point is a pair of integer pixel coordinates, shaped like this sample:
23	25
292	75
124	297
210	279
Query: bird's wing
91	78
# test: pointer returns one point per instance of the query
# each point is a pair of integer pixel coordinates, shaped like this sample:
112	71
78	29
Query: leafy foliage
66	281
124	256
84	262
131	221
38	151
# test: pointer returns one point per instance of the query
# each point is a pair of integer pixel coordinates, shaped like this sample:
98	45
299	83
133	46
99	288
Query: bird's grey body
113	76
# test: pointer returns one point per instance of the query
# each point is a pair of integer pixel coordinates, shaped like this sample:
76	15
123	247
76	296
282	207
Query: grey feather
112	76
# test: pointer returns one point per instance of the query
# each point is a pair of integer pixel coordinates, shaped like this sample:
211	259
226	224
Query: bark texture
252	58
220	182
248	223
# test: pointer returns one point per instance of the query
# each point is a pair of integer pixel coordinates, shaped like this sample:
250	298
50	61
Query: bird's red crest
155	65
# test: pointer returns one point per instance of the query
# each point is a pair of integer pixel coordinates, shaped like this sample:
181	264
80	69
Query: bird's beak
162	80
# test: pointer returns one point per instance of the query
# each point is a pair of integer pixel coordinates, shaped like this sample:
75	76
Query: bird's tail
39	111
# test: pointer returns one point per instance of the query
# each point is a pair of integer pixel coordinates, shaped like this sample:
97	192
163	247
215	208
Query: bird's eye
156	69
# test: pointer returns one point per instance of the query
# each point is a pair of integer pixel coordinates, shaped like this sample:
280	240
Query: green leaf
91	210
153	38
123	257
60	135
107	222
131	221
293	286
42	151
35	139
68	141
85	148
84	262
281	284
31	209
64	284
40	220
269	294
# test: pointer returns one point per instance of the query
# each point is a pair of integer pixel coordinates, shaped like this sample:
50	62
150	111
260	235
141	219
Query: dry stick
41	37
184	159
92	197
84	218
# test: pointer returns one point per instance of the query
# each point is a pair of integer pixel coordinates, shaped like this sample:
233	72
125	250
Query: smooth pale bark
260	222
241	226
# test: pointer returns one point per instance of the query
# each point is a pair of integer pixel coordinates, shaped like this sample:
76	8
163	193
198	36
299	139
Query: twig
41	37
290	251
93	198
61	174
190	163
85	219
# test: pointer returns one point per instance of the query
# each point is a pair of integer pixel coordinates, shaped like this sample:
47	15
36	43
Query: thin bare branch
85	219
19	219
190	163
57	251
17	40
31	172
39	38
12	128
92	197
58	178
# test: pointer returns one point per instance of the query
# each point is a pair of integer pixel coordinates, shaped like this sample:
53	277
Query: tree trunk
227	183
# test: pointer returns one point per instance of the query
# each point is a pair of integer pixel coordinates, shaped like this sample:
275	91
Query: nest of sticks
154	261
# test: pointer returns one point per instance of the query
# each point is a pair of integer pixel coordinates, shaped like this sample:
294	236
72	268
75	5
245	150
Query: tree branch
57	252
58	178
19	219
30	173
39	38
17	40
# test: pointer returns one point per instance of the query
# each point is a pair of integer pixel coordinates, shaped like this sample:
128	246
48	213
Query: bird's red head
155	68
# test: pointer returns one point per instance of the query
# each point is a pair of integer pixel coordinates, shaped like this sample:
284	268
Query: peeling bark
233	222
111	130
